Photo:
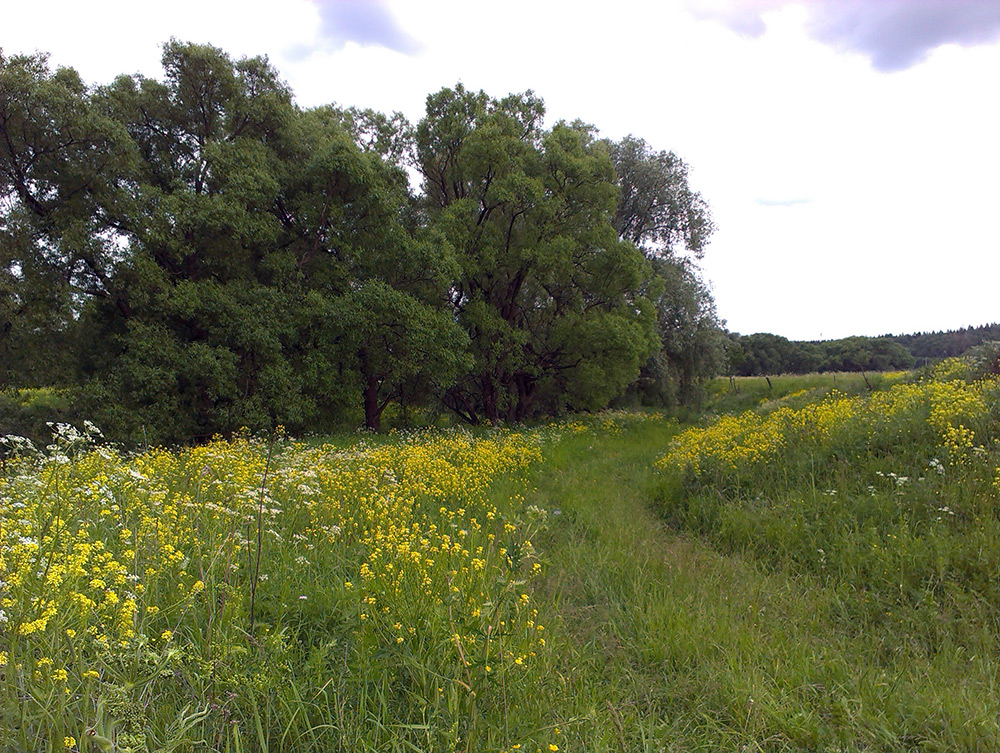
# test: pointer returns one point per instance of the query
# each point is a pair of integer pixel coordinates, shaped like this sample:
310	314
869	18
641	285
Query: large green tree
59	162
401	348
548	293
209	314
349	221
661	214
692	341
217	256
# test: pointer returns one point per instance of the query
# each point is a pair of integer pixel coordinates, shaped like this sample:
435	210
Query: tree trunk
490	408
373	412
526	390
460	405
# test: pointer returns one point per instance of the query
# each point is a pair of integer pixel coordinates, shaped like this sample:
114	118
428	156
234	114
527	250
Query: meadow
808	564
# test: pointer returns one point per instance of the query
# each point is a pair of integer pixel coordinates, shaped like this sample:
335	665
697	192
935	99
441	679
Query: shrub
28	412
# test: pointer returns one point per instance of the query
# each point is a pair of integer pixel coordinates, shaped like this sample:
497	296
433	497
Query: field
810	564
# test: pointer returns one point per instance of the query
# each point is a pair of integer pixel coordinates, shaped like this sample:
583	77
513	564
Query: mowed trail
664	644
627	594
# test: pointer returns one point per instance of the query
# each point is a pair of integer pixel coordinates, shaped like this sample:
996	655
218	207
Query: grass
672	641
757	392
761	581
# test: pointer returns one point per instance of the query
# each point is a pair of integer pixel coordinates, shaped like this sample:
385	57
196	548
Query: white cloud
899	169
894	34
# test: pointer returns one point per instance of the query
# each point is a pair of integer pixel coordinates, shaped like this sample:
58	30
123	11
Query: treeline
190	255
936	345
762	353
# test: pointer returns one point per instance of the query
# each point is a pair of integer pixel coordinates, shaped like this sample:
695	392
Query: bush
27	412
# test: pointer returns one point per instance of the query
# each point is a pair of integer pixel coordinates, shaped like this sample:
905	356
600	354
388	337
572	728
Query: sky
849	149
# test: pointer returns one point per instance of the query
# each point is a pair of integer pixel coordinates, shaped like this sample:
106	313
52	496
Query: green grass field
806	566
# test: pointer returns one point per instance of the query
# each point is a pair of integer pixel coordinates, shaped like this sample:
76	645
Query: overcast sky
849	149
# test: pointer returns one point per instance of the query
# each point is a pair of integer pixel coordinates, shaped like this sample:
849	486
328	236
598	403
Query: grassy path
663	644
613	583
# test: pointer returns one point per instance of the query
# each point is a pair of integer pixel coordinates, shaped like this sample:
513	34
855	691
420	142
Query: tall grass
885	506
390	597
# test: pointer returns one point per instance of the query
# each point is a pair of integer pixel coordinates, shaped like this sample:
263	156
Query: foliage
661	214
196	253
57	159
692	342
658	211
30	413
402	347
549	295
947	344
767	354
764	353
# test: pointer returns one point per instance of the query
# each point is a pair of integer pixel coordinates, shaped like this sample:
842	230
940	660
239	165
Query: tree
767	354
347	218
36	313
399	346
550	297
204	337
736	357
660	214
693	344
59	162
658	210
221	257
866	354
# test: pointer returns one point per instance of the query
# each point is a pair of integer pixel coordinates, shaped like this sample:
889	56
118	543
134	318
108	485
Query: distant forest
763	354
935	345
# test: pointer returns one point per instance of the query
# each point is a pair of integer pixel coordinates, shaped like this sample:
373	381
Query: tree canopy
196	253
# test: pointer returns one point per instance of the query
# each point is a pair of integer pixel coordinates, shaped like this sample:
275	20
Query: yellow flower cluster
104	552
741	442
